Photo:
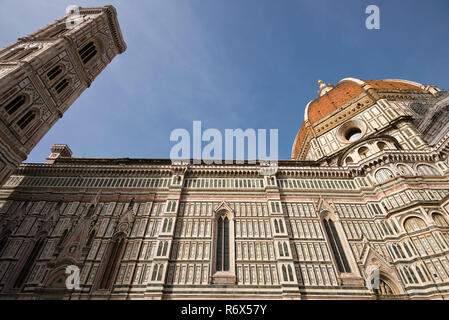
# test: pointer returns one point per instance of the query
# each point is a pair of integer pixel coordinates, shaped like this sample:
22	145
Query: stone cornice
163	167
111	14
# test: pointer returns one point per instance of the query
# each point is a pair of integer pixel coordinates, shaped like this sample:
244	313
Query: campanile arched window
54	72
14	105
222	254
88	52
27	119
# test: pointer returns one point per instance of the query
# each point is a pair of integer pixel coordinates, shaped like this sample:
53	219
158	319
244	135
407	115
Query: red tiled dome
344	92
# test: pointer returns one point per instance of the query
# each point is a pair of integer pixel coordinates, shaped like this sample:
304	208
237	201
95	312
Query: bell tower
42	74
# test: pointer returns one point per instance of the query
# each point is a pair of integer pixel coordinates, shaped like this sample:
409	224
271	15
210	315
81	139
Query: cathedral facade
360	212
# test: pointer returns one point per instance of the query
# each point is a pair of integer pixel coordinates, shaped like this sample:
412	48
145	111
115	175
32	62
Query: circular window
353	134
351	131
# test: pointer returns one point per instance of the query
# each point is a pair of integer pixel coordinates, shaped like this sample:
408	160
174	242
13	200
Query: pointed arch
164	250
155	270
159	274
335	244
36	250
281	226
112	262
223	262
28	118
284	273
290	273
16	103
286	252
164	225
87	52
222	254
91	238
276	225
159	249
281	252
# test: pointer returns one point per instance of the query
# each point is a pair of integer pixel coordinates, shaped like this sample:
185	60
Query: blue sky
231	64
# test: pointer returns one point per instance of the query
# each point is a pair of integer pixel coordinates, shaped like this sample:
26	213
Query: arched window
112	262
426	170
164	251
154	275
413	224
164	226
170	223
161	270
222	257
54	72
284	273
26	119
363	152
159	249
91	210
285	249
61	85
382	145
15	104
290	273
383	175
91	238
88	52
37	248
336	246
281	226
276	226
281	252
440	220
349	160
